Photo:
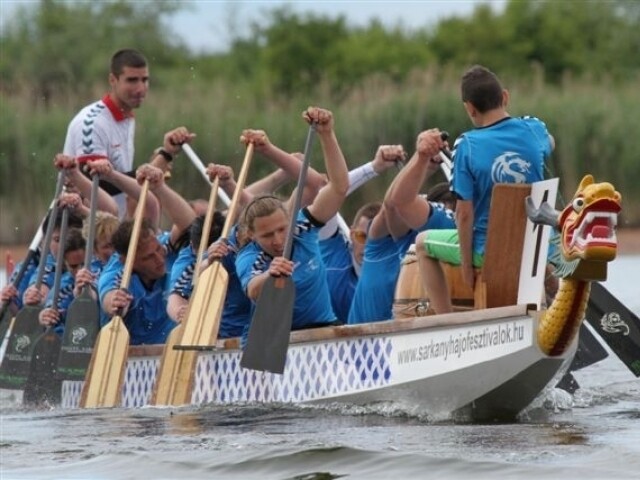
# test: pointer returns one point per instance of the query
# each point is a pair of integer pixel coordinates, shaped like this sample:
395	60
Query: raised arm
288	162
129	186
332	195
173	205
402	196
83	184
228	184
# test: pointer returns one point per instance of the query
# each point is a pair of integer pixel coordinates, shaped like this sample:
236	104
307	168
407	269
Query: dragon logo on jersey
510	168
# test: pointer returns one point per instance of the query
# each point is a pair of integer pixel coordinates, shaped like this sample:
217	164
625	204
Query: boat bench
497	281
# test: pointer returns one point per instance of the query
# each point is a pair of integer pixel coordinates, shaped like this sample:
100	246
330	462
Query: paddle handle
91	237
53	212
57	279
135	236
235	201
302	178
186	148
446	158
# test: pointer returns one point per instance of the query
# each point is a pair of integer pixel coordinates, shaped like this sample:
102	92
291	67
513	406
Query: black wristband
167	156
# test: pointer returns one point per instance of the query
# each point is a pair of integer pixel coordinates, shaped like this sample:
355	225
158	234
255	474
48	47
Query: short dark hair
73	220
121	237
126	58
74	241
441	192
197	225
368	210
482	88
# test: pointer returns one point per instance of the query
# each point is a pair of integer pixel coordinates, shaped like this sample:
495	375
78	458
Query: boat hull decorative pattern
341	367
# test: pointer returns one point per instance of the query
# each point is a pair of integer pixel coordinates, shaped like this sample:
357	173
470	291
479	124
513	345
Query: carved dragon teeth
583	235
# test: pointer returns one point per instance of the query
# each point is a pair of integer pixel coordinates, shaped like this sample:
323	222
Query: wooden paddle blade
268	339
205	307
618	326
17	358
42	386
80	332
174	382
107	366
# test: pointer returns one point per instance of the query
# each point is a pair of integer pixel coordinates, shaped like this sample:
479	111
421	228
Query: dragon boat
485	362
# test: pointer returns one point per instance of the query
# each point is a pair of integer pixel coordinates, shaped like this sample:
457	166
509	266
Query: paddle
186	148
103	383
5	311
202	322
268	339
26	327
618	326
83	315
173	382
42	386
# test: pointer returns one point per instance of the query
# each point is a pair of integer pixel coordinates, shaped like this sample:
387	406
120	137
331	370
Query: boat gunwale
366	329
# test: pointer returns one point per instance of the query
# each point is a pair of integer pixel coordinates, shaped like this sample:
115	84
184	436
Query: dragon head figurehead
589	222
588	229
587	242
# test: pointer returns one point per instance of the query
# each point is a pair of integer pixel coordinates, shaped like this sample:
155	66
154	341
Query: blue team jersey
30	270
373	298
236	312
312	305
374	295
512	150
147	319
49	272
341	275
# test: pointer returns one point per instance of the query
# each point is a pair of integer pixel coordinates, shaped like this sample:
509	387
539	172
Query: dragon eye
578	204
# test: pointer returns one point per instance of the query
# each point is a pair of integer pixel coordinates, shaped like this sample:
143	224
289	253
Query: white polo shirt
102	130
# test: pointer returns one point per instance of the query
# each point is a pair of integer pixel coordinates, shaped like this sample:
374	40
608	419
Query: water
593	435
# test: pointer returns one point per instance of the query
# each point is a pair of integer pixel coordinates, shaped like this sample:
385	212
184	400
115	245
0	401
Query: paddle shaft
206	228
53	212
302	178
186	148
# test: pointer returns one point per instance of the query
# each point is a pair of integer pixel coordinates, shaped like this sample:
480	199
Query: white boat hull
438	364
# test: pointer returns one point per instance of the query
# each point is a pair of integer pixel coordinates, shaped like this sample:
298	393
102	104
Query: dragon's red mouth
596	229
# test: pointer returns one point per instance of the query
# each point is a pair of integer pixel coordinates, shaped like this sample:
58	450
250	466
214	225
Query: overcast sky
204	26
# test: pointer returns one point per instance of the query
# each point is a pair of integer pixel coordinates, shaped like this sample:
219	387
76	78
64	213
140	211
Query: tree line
574	64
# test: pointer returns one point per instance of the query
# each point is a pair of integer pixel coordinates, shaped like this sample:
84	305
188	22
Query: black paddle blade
80	332
17	358
42	387
589	351
268	339
618	326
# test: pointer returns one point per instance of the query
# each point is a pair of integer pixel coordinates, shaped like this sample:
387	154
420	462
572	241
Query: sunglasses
359	236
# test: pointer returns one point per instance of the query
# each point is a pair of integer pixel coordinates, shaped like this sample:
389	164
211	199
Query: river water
594	434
